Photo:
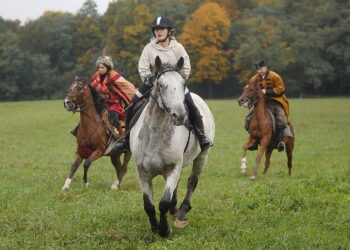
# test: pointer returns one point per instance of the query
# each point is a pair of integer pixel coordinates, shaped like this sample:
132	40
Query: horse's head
75	98
169	90
250	95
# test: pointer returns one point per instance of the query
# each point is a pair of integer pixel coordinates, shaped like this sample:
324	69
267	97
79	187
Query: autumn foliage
205	35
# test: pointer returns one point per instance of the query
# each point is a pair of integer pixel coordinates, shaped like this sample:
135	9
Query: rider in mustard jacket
273	87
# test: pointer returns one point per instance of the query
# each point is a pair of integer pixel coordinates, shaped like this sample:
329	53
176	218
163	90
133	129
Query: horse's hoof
64	188
87	184
180	223
174	216
167	234
115	185
243	170
253	177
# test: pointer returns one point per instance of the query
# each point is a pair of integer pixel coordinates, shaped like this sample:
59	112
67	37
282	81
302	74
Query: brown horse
93	138
261	129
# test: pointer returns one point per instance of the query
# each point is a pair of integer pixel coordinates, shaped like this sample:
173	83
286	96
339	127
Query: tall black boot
75	130
281	146
196	120
123	144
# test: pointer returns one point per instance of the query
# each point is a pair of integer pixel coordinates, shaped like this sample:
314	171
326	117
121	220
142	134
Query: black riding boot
281	146
196	120
123	144
75	130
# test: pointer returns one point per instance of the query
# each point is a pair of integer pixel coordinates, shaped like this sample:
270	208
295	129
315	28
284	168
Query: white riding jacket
169	55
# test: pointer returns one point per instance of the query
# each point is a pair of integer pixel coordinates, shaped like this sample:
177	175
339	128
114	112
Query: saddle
286	132
139	107
115	132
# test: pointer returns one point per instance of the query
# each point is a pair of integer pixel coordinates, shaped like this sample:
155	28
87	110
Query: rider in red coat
113	87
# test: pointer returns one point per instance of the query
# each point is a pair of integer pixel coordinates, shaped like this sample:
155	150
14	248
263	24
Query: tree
89	9
204	36
23	75
261	37
87	44
56	29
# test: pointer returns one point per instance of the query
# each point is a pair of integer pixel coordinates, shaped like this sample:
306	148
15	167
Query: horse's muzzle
178	119
243	102
68	104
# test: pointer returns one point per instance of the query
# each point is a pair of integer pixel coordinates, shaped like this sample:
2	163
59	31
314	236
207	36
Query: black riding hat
162	21
260	64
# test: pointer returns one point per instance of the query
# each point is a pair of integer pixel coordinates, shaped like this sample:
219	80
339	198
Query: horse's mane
99	103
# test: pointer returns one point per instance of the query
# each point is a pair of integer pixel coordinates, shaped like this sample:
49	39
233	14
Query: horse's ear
180	63
76	78
159	64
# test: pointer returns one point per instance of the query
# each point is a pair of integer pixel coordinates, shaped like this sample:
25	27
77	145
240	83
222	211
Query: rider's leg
123	144
196	119
114	117
281	123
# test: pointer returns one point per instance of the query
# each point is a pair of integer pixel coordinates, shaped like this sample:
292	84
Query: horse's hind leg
120	168
115	159
73	169
267	159
147	190
174	210
198	164
289	152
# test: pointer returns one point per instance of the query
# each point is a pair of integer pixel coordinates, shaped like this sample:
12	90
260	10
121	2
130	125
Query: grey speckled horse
162	145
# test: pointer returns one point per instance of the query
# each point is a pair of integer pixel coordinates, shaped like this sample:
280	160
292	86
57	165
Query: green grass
308	210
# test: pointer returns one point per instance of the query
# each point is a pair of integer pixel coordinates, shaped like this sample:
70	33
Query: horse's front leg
251	142
73	169
264	143
172	178
94	156
147	190
198	164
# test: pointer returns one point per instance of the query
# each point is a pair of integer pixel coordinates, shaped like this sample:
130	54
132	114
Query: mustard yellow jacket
274	85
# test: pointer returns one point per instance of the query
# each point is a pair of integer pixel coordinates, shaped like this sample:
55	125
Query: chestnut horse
93	138
261	129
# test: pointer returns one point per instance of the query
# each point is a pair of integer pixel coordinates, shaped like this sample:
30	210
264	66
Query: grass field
310	209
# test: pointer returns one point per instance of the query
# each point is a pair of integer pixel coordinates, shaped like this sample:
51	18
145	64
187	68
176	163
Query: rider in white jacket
164	45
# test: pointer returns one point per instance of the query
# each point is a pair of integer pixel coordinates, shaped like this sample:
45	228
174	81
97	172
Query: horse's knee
165	203
148	206
192	182
87	164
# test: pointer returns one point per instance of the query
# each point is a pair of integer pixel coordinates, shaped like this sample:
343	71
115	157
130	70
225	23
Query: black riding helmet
163	22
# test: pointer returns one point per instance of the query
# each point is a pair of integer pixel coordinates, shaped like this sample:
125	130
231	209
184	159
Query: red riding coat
116	90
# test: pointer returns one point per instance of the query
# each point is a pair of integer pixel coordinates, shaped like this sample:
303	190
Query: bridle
81	106
158	75
252	100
